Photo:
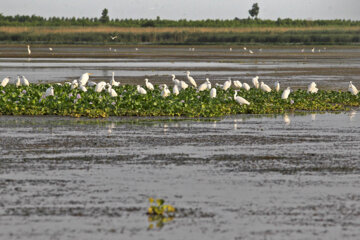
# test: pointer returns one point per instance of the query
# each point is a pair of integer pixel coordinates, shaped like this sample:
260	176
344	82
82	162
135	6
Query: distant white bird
213	93
100	86
49	91
265	87
165	92
176	90
50	49
312	88
111	91
230	49
136	49
255	82
260	49
208	83
251	52
352	89
74	84
227	84
25	81
113	37
277	86
149	84
244	48
203	86
113	82
28	49
313	50
246	86
237	84
18	82
286	93
175	81
191	79
5	81
183	85
239	99
84	78
140	89
82	88
302	50
91	84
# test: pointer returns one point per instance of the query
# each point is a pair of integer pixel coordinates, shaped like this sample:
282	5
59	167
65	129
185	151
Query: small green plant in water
160	213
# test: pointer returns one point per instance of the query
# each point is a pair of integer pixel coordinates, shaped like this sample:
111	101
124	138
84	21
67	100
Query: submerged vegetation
30	100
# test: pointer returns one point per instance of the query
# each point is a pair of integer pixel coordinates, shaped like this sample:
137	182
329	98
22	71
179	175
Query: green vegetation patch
29	100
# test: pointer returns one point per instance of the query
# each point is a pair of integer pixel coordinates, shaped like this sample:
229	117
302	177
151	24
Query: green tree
104	16
254	11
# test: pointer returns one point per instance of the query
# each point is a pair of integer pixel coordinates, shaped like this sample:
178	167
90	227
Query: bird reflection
313	116
286	119
110	127
352	115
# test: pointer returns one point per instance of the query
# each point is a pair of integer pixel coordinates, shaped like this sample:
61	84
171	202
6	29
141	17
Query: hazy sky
190	9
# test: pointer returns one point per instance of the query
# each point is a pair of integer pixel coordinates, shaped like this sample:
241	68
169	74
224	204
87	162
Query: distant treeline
291	37
23	20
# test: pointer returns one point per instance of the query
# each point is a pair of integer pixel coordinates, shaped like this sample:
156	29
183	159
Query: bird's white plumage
191	79
49	91
18	82
183	85
74	84
165	92
213	93
84	79
286	93
208	83
176	90
111	91
240	100
203	86
265	87
246	86
352	89
141	90
28	49
5	81
149	84
227	85
175	81
83	88
255	82
312	88
277	86
100	86
113	82
237	84
25	82
91	84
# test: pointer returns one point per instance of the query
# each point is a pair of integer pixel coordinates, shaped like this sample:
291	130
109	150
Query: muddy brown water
331	68
238	177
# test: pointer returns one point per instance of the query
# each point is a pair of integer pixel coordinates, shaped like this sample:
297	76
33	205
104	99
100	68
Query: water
332	68
239	177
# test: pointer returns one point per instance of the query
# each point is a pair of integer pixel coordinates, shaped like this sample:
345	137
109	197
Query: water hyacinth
67	102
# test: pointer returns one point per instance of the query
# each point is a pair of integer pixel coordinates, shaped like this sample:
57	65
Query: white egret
227	84
203	86
176	90
183	85
5	81
136	49
111	91
149	84
237	84
246	86
175	81
91	84
286	93
312	88
28	49
82	88
191	79
84	78
313	50
74	84
230	49
113	82
100	86
251	52
213	93
265	87
18	82
49	91
244	48
302	50
352	89
140	89
25	81
165	92
255	82
113	37
277	86
50	49
239	99
208	83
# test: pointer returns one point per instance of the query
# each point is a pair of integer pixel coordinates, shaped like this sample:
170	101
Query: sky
189	9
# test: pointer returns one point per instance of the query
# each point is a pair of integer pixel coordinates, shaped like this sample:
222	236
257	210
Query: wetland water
239	177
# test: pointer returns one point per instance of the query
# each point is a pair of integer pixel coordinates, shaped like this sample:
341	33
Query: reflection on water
286	119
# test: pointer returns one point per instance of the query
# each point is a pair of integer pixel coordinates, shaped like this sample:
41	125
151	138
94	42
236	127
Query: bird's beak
91	74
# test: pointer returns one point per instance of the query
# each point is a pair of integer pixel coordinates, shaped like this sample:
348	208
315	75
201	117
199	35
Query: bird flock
83	83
